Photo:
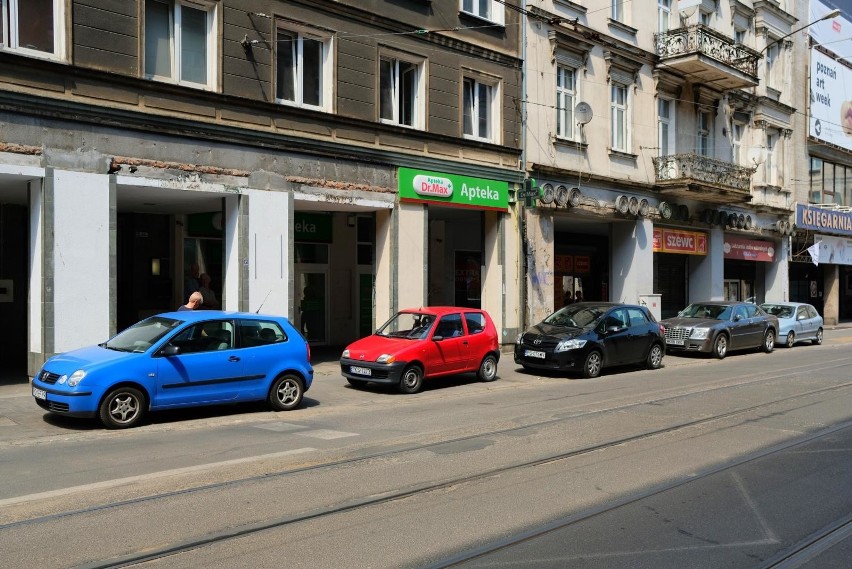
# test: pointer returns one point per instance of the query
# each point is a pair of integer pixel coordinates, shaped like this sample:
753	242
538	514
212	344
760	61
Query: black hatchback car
588	336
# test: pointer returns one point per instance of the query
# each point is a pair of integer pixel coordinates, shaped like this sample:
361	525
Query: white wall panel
269	261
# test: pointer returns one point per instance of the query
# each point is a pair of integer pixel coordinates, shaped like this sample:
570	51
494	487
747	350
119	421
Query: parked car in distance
718	327
179	359
588	336
424	343
798	322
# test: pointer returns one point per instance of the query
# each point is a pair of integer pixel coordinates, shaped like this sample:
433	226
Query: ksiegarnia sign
450	189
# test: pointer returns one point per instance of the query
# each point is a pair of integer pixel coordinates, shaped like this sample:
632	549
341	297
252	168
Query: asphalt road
744	462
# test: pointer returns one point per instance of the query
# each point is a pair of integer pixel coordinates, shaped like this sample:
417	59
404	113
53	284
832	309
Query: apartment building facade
661	134
346	157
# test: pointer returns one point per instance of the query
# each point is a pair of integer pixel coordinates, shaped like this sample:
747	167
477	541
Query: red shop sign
749	249
680	241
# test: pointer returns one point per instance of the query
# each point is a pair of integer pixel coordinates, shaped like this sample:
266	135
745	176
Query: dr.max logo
433	186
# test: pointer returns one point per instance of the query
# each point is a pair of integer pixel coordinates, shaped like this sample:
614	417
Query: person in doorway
210	302
578	296
191	281
194	302
569	298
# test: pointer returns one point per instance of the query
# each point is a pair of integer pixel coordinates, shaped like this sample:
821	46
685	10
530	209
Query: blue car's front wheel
286	392
122	408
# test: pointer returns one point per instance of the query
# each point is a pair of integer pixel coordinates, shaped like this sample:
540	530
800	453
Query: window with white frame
490	10
401	91
770	169
772	53
705	17
180	43
737	132
665	126
740	35
33	27
704	143
566	99
302	69
480	111
620	121
664	12
617	10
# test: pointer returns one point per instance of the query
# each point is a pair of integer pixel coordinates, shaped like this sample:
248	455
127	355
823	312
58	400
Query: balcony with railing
708	56
698	177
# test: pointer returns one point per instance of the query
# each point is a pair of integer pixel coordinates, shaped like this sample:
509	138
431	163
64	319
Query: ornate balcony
708	57
707	179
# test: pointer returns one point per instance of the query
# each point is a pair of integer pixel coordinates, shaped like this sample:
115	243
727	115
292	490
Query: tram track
217	537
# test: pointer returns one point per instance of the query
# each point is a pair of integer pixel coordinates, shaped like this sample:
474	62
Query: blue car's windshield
779	310
576	316
142	335
714	311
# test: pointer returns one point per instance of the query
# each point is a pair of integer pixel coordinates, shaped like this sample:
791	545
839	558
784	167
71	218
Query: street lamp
833	14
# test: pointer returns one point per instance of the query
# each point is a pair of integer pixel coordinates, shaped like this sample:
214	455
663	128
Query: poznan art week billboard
830	101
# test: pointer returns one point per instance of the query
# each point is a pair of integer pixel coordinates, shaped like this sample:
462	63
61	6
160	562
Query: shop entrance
14	287
581	268
455	257
670	281
311	288
740	277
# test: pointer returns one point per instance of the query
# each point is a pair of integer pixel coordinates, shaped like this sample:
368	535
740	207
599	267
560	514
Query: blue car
179	359
797	322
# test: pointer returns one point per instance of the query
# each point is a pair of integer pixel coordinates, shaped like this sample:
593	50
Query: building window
664	12
771	171
302	69
32	27
480	113
617	10
739	35
816	181
665	126
491	10
400	92
704	17
566	98
771	65
705	134
737	131
619	117
179	42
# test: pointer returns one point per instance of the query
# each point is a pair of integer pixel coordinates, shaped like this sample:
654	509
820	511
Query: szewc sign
450	189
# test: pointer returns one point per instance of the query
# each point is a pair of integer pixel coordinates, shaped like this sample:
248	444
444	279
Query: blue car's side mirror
170	350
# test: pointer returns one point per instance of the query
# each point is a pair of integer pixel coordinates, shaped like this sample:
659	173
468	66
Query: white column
778	273
268	252
81	260
540	265
707	273
383	290
632	271
411	271
232	260
493	275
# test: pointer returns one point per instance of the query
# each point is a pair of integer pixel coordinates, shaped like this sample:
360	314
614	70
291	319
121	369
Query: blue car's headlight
572	344
75	378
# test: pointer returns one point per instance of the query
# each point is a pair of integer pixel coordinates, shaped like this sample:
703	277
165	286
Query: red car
423	343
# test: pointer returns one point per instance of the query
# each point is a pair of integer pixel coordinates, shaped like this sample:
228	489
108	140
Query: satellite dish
583	112
687	8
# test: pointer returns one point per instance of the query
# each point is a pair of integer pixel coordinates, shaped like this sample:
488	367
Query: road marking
327	434
7	422
279	427
146	477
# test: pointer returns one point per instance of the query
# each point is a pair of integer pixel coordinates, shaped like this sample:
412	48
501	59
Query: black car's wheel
488	368
412	380
818	339
592	365
286	392
768	341
655	357
791	339
123	408
720	346
356	382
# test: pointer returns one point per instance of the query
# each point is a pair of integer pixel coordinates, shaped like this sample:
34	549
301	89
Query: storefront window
827	183
816	180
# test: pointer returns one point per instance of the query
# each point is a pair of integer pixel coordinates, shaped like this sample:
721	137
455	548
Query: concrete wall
269	252
706	273
411	263
632	262
540	265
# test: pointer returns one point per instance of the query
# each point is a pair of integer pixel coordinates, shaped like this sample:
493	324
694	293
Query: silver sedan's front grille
677	334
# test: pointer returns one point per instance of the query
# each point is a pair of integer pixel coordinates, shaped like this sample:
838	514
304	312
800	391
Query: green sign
433	187
312	227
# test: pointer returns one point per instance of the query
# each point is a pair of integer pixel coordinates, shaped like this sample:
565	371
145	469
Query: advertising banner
834	33
822	219
833	250
830	117
679	241
749	249
449	189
